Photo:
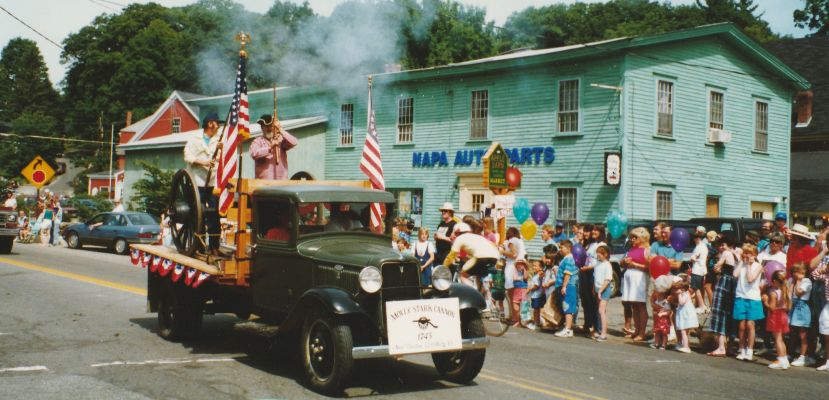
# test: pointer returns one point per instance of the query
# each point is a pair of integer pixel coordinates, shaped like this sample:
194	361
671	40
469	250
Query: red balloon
659	266
513	177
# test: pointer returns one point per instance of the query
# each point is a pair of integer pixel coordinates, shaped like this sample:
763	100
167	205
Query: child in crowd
567	280
777	322
661	318
800	316
403	246
686	315
424	251
748	305
699	268
821	273
496	285
519	292
536	292
602	288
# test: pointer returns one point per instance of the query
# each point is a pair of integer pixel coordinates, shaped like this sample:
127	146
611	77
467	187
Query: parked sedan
116	230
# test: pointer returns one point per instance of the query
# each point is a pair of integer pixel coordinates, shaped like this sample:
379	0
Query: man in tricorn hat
270	151
199	155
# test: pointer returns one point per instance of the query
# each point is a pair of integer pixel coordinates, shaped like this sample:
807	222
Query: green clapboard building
671	126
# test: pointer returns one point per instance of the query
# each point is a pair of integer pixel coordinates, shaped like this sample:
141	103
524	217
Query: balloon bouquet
522	212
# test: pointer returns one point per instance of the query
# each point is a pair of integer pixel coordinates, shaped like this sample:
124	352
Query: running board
257	328
359	353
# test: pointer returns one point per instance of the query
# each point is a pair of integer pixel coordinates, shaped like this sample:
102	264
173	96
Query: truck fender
333	300
468	297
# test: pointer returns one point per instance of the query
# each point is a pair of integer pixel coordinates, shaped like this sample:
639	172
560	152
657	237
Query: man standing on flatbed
270	151
198	154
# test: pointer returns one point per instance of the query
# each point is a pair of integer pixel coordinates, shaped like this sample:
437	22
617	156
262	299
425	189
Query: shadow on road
280	357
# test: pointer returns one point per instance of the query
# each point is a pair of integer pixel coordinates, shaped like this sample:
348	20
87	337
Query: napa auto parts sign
423	326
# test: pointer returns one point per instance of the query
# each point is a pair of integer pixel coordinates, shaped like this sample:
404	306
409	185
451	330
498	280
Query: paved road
72	325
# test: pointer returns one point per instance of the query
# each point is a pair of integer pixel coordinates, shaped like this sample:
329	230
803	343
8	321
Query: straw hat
447	207
800	230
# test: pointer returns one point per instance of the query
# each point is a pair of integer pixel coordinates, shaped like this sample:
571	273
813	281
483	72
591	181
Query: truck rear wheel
463	366
179	316
326	353
6	244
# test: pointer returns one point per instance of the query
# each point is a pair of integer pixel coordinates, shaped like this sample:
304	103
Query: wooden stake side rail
170	254
249	185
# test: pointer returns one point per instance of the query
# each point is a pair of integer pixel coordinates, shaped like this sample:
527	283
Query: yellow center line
573	392
558	395
78	277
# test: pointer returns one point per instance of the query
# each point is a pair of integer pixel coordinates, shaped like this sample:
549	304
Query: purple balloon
540	212
679	239
771	267
579	255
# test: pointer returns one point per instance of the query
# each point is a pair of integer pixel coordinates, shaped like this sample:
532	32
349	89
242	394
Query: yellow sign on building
38	172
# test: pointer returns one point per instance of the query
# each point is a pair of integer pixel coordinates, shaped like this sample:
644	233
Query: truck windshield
334	217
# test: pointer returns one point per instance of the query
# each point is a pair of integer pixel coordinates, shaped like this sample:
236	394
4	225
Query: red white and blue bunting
162	266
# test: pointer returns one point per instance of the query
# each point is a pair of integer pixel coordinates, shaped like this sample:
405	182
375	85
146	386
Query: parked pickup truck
9	229
736	228
310	273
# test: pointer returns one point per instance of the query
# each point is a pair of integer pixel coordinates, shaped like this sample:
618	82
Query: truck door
274	252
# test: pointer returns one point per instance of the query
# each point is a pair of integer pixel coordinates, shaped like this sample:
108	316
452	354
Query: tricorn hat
265	119
210	117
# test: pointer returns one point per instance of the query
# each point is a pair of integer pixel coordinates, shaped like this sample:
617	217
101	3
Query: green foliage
152	192
814	15
89	206
17	152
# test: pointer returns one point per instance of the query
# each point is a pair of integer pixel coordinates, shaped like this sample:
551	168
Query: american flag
238	128
372	165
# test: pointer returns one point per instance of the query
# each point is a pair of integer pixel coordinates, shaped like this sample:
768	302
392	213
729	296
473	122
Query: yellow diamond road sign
38	172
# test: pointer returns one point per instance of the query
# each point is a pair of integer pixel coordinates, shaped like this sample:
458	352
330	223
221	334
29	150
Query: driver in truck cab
481	254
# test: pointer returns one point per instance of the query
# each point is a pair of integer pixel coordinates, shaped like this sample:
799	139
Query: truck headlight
441	278
371	280
12	218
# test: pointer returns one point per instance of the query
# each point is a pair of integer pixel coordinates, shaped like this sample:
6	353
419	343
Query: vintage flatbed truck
303	268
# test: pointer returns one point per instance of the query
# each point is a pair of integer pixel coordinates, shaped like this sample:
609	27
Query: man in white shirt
200	155
482	254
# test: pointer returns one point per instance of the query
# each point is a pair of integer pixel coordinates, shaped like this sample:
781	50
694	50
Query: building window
664	205
408	204
347	125
715	110
761	126
176	125
477	201
757	214
479	114
568	106
665	108
405	118
566	203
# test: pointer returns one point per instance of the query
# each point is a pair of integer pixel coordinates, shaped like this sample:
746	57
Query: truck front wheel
326	353
463	366
178	317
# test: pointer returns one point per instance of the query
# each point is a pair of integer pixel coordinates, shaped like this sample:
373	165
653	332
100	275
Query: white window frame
471	113
578	110
175	125
576	210
708	101
469	185
758	132
672	106
400	108
656	192
346	133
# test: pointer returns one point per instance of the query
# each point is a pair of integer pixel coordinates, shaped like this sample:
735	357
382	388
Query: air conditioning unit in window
718	135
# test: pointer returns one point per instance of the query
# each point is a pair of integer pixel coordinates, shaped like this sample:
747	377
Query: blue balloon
617	224
579	255
521	210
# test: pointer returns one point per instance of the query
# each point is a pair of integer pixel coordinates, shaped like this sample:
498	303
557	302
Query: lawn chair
34	232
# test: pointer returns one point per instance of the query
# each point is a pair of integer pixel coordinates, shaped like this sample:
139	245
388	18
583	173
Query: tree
814	15
152	192
24	81
17	151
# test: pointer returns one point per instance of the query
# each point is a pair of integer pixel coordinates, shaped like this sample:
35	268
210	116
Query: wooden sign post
496	168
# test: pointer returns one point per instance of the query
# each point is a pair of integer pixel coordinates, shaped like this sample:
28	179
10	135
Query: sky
56	19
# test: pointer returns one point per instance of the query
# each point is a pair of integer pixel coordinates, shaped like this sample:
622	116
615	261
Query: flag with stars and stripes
238	129
372	165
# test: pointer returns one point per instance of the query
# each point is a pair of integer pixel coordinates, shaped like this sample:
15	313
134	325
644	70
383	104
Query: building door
761	209
712	206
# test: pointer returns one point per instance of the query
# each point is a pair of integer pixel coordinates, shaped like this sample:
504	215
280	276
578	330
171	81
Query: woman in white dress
512	249
635	283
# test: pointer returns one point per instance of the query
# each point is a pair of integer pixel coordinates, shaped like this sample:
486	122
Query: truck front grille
396	275
2	218
343	278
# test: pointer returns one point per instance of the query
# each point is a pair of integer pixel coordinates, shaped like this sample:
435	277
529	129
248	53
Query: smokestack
129	118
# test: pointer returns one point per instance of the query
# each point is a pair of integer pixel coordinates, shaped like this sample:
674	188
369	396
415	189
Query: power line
102	5
30	27
55	138
114	3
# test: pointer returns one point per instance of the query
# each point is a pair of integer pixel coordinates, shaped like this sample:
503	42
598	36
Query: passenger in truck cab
279	231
